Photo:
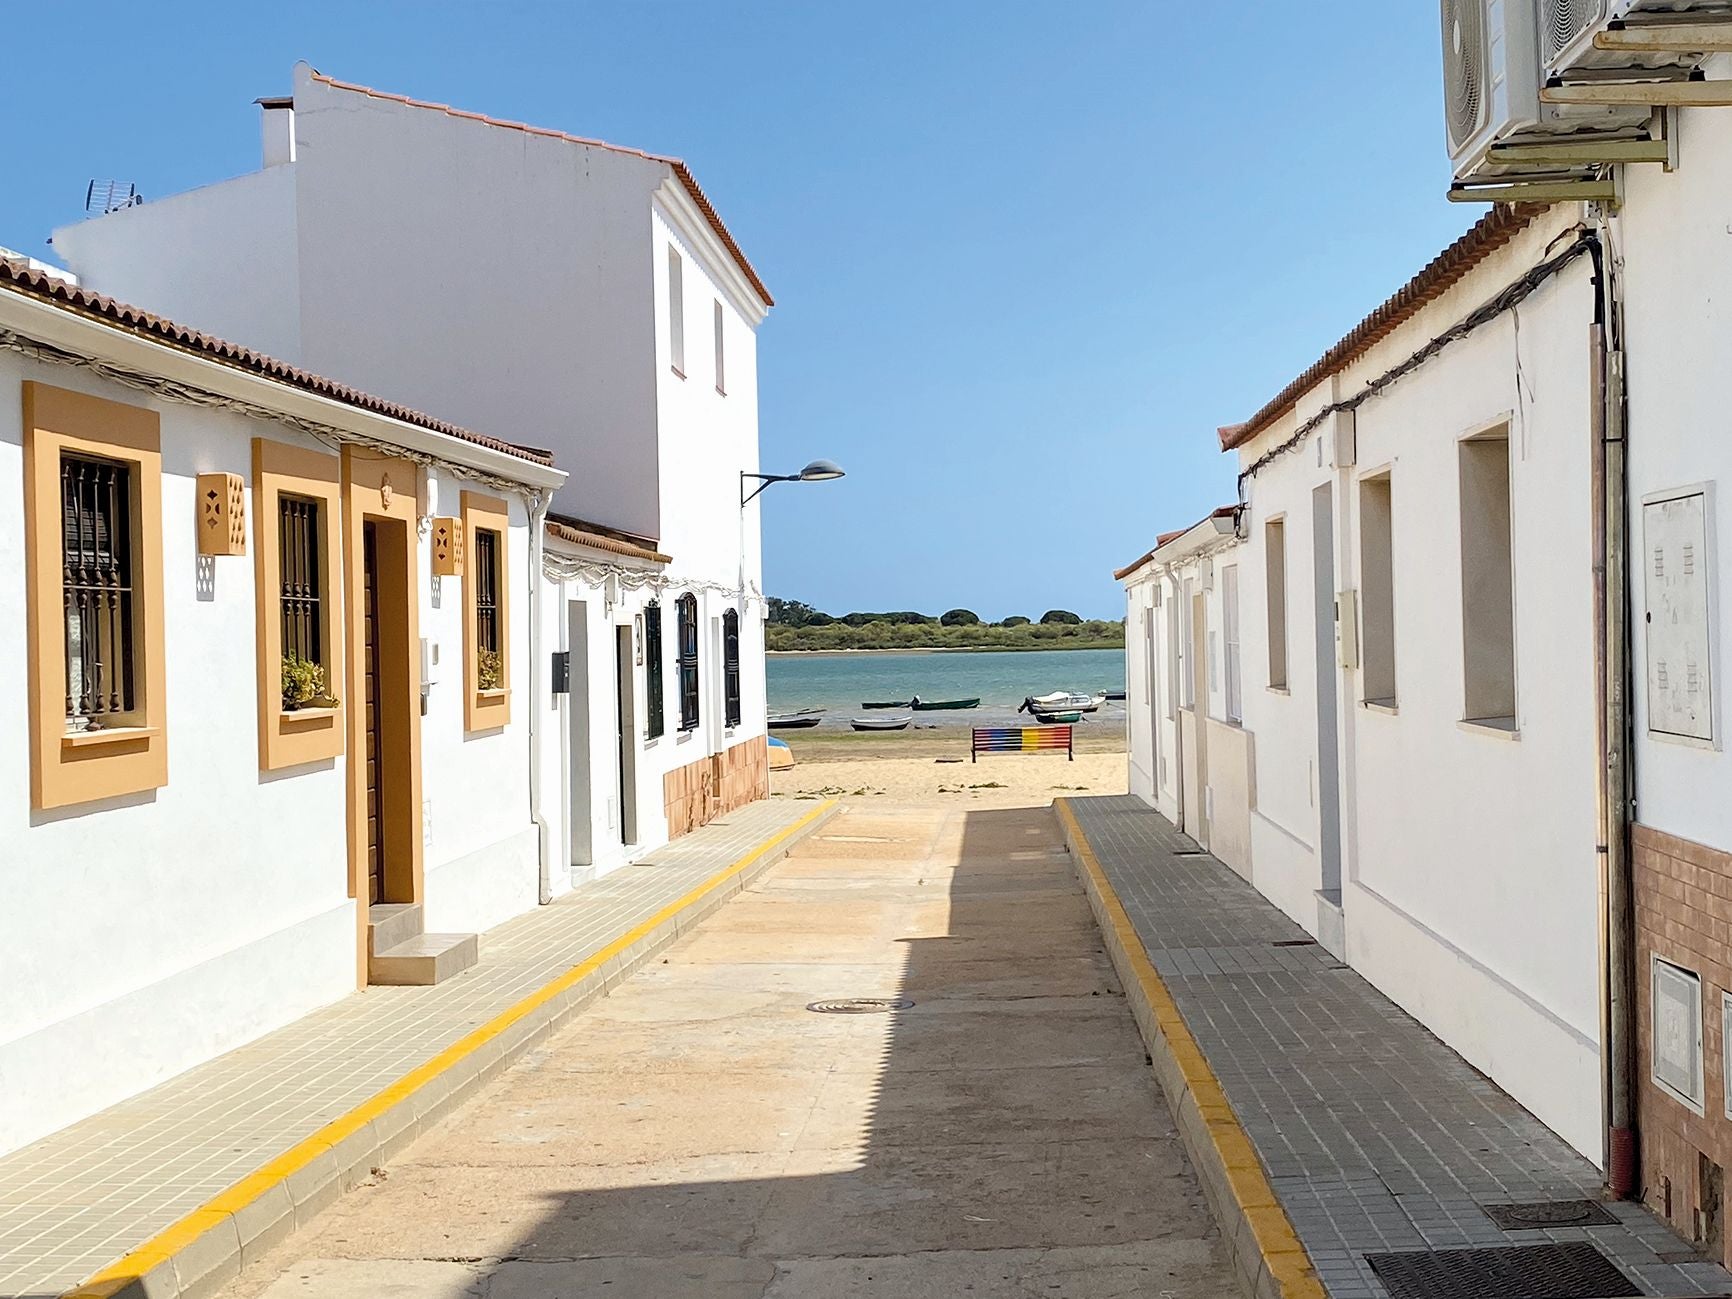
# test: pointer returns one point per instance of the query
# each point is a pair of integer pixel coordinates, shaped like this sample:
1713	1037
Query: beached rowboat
804	720
881	723
900	703
934	705
1062	701
1046	719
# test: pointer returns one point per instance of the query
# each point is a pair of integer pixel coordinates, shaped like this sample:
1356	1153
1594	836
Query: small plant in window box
489	673
304	685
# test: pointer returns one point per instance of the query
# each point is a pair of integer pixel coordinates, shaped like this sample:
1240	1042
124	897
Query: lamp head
820	471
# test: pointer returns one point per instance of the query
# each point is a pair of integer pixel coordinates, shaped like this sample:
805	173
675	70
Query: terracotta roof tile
18	277
1222	512
1489	234
680	169
600	537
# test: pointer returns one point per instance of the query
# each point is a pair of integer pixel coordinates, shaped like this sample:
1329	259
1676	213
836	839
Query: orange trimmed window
93	544
296	505
486	614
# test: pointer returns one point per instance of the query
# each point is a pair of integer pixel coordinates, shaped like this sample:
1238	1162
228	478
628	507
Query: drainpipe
537	684
1611	688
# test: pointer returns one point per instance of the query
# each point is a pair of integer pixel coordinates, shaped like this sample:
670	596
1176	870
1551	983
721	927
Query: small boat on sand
935	705
881	723
1115	696
802	720
1047	719
900	703
1062	701
781	756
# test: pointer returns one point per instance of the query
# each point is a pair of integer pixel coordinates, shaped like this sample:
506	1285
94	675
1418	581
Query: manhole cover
860	1005
1548	1213
1572	1271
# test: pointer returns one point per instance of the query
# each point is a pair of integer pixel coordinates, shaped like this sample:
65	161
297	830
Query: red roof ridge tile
20	277
680	170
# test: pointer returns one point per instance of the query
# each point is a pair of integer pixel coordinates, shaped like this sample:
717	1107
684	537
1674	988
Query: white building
1417	659
561	293
181	515
1190	753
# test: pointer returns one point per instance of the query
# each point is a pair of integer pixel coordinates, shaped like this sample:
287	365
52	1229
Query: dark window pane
96	553
688	608
731	665
298	553
652	650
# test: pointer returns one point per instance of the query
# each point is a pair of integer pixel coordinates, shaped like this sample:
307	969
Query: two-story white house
555	290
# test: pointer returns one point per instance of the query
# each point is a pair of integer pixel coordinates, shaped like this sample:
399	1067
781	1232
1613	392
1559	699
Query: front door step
424	959
391	923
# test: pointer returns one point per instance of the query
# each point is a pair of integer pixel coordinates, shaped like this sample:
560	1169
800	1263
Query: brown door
375	746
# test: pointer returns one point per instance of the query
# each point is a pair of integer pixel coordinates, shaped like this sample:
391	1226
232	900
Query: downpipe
538	683
1613	790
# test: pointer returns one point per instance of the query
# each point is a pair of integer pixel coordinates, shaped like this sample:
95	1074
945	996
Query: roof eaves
598	537
678	166
18	277
1223	514
1490	233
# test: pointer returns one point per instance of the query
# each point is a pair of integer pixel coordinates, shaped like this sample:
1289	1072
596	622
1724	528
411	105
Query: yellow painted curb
168	1242
1284	1256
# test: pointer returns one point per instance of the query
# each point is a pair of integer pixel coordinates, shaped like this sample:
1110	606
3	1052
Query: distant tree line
796	625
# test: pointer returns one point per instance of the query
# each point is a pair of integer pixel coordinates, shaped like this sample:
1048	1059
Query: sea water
840	683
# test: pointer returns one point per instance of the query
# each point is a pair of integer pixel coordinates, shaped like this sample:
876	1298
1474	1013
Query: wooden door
375	745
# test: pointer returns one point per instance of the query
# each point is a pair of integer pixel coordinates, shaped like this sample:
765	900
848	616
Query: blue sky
1028	255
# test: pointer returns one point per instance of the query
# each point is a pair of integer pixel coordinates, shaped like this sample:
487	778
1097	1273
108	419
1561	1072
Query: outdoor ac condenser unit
1490	76
1492	73
1568	29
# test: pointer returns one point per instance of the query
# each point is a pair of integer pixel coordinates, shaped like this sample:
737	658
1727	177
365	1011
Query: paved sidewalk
1375	1136
74	1202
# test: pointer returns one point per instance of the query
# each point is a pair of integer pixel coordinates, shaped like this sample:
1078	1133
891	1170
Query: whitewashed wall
142	935
224	259
1674	238
481	862
1446	863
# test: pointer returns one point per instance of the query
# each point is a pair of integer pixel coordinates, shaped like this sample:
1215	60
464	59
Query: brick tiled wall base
700	791
1683	915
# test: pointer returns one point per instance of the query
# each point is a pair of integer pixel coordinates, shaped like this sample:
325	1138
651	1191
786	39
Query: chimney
277	129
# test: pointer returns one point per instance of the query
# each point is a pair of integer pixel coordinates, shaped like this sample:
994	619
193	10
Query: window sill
1501	728
1279	690
491	695
685	733
1385	706
304	719
110	735
678	373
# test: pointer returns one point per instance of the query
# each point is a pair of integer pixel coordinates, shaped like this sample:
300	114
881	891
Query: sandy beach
933	767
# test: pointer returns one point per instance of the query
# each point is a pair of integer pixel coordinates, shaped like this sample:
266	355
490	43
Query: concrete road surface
701	1134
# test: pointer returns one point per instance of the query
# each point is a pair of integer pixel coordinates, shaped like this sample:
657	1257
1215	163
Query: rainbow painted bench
1022	739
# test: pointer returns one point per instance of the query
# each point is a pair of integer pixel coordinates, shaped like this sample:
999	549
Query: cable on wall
1512	296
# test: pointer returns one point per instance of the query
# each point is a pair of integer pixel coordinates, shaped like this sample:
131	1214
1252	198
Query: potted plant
487	670
304	684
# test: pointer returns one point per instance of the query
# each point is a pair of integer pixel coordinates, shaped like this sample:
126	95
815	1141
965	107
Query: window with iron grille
652	652
298	558
688	610
731	665
489	670
97	572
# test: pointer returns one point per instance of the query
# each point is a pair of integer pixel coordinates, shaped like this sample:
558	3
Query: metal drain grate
1549	1213
1572	1271
860	1005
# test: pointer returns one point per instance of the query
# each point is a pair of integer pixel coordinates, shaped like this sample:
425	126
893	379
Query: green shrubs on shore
797	627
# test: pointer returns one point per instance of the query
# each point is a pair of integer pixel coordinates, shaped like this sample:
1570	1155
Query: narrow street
701	1132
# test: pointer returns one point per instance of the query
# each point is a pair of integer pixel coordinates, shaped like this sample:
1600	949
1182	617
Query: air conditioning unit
1492	73
1568	29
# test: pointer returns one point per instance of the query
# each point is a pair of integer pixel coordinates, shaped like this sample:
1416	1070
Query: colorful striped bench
1021	739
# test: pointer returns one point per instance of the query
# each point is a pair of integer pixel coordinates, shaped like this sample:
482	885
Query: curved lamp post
819	471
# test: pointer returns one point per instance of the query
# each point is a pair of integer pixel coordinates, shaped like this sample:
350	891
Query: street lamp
819	471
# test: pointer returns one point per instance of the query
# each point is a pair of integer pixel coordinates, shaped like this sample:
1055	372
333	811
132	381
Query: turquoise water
840	683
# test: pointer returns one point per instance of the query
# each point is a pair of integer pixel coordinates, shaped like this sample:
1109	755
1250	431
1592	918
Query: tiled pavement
1375	1136
75	1201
